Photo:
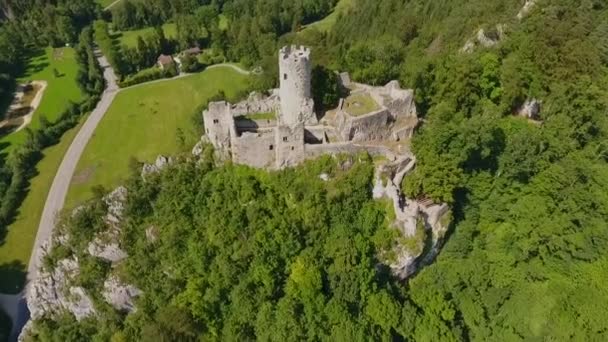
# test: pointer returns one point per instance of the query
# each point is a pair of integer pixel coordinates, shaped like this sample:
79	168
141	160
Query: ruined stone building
282	129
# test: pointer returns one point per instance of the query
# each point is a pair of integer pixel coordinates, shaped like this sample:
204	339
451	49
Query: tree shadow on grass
12	277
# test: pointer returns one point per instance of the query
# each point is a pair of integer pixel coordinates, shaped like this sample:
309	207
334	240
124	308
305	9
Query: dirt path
183	74
232	66
111	5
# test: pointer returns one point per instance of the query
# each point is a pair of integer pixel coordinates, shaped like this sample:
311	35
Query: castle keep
282	129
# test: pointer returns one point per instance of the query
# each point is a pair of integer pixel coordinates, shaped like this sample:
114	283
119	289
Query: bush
148	75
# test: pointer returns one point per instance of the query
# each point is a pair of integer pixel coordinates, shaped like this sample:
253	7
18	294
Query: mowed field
129	38
144	122
17	244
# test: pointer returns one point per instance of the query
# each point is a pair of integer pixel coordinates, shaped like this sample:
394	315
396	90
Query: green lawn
259	116
360	104
326	24
59	92
129	38
20	238
143	122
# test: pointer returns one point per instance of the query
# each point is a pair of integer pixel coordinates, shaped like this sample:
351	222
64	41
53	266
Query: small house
164	61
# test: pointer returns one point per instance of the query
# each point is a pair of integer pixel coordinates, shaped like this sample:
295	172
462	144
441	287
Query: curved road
56	198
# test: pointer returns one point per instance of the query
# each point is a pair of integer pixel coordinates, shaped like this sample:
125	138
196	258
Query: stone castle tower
297	105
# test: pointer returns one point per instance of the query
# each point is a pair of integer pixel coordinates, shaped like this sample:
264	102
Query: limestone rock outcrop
160	163
526	9
106	246
530	109
51	293
407	257
120	295
116	204
485	39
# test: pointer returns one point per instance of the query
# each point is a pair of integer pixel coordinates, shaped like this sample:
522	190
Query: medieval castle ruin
282	129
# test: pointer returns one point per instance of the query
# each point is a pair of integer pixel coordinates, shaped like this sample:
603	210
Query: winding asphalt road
61	183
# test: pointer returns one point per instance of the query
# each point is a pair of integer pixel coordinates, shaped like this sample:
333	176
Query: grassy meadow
129	38
145	121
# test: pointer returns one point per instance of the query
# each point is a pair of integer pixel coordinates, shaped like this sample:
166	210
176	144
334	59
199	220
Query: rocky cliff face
413	220
53	291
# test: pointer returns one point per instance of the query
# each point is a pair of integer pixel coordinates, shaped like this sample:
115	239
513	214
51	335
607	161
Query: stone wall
249	125
255	149
314	135
373	126
219	127
290	145
258	103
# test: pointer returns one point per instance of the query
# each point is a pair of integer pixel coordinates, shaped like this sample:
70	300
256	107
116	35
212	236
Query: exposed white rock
116	204
408	213
79	303
485	39
530	109
160	163
50	293
121	296
468	47
528	6
324	177
197	150
106	246
151	234
404	265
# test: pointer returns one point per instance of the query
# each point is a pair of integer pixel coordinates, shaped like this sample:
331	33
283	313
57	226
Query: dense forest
243	254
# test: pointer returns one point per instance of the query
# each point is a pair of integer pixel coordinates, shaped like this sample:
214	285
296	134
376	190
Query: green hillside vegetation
243	253
146	121
327	23
104	3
